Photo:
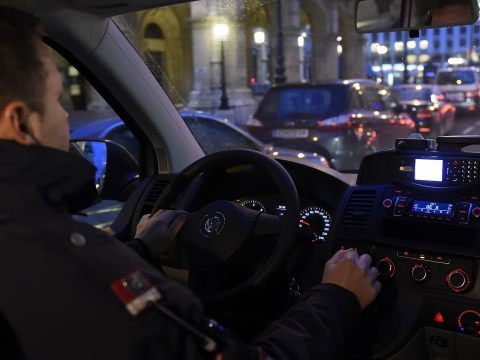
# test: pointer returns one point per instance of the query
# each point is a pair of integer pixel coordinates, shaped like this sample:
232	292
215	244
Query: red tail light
441	97
342	122
424	130
424	114
254	125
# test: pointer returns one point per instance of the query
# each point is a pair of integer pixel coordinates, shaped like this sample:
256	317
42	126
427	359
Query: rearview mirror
398	15
116	168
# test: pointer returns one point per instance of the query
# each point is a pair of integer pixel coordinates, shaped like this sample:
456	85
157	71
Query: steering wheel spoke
266	225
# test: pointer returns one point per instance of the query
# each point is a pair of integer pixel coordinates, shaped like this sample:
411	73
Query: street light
301	41
259	39
220	32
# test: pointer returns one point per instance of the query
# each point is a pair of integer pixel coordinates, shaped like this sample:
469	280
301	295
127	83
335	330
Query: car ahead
213	134
342	120
432	116
460	86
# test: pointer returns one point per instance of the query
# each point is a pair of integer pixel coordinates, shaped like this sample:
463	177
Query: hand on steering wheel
213	234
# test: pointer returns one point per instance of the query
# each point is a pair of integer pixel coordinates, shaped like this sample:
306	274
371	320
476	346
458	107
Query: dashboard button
386	267
420	273
476	212
458	280
387	203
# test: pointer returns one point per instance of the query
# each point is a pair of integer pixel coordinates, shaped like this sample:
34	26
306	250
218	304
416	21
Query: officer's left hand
158	231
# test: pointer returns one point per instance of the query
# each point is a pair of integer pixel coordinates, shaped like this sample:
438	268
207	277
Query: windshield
456	77
297	76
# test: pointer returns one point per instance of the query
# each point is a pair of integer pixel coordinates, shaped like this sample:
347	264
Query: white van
460	86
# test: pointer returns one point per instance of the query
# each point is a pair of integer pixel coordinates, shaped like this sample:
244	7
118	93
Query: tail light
441	97
424	130
342	122
254	125
424	114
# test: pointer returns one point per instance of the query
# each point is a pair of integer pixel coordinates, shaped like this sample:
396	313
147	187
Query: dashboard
315	219
417	213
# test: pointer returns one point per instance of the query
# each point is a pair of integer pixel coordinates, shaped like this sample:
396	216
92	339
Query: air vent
153	195
358	213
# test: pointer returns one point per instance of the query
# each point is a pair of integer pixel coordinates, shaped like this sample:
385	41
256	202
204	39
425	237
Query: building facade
434	49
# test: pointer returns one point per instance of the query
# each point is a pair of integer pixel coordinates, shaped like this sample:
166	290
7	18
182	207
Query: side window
214	136
90	116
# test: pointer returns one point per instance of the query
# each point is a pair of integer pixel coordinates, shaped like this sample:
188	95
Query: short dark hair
22	72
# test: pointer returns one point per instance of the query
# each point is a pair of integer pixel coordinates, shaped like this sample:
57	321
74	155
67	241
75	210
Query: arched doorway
154	40
166	44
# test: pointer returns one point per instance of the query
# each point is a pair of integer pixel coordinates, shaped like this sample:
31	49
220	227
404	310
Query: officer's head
30	84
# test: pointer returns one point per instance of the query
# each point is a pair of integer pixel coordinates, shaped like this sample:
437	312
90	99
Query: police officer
70	291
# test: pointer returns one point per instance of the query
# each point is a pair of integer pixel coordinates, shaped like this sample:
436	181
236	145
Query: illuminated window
412	58
424	58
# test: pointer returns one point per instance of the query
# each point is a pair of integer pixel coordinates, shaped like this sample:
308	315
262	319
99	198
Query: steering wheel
212	235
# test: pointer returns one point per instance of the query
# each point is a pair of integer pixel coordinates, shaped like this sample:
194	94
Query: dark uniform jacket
55	277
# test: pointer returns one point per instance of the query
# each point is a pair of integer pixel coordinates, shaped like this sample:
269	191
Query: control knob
420	273
458	280
476	212
386	267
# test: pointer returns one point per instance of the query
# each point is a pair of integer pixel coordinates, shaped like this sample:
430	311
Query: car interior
415	208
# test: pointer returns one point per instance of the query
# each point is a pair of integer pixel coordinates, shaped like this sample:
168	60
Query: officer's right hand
353	273
159	231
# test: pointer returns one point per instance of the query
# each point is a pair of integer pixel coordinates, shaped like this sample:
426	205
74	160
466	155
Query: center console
416	210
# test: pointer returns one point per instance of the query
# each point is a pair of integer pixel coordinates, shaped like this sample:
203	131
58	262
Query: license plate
290	133
455	97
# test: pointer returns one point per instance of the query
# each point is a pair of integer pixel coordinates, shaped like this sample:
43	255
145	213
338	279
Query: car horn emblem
212	224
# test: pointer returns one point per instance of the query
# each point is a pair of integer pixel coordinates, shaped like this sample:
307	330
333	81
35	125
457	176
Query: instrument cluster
315	222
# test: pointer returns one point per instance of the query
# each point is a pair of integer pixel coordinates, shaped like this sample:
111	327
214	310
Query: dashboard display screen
428	170
430	207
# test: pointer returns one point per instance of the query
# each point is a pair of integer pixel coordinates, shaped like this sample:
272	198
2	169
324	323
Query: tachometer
315	223
254	205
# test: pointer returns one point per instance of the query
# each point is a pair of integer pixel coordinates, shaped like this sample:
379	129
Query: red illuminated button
438	318
458	280
387	203
476	212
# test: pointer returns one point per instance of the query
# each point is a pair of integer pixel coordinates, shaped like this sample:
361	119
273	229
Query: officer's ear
15	120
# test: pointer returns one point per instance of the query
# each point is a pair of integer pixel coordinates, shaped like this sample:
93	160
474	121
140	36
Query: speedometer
254	205
315	223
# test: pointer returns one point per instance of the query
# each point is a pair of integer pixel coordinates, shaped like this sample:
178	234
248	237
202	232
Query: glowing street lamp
301	41
259	37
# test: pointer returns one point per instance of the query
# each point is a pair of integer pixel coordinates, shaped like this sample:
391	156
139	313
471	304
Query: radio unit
402	203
